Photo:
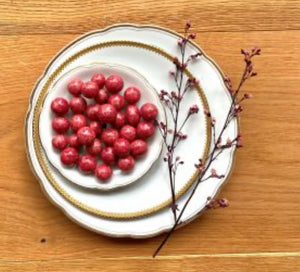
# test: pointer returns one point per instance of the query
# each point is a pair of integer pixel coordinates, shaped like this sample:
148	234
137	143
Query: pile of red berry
112	128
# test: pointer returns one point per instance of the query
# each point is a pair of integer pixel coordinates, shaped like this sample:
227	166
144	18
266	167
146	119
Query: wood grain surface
261	229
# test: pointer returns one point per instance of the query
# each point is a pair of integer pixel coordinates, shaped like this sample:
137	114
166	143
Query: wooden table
261	229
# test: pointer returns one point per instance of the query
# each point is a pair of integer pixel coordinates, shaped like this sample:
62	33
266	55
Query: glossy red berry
101	96
89	89
60	124
121	147
138	147
149	111
73	141
132	95
69	156
107	113
86	135
114	84
109	136
77	121
96	126
108	155
120	120
132	115
60	141
103	172
78	104
117	101
145	130
74	87
60	106
126	164
87	163
99	79
95	148
92	111
128	132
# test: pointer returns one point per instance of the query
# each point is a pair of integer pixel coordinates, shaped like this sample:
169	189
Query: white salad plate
141	209
131	78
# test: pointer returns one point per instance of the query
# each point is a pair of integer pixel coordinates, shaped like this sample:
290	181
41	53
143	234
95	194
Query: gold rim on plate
43	162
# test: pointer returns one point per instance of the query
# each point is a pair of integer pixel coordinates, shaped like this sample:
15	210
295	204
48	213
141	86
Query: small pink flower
193	82
207	113
213	121
228	142
188	25
214	172
194	56
255	50
176	61
211	203
182	66
171	73
181	136
223	202
248	96
180	42
193	109
192	36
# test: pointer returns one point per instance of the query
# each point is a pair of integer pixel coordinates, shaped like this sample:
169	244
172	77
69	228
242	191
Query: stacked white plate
137	204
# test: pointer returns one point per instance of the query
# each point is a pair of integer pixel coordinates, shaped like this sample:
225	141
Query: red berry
132	115
73	141
109	136
69	156
95	148
60	124
60	106
87	163
89	89
107	113
101	96
117	101
120	120
149	112
74	87
103	172
132	95
128	132
122	147
114	83
77	121
126	163
99	79
86	135
145	130
96	126
138	147
60	141
108	155
92	111
78	104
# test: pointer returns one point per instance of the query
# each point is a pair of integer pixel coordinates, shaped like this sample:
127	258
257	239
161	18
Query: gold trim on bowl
43	161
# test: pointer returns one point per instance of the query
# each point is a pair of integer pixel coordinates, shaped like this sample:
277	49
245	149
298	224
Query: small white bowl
119	178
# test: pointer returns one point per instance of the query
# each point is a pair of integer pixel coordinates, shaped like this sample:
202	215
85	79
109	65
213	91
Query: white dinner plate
132	200
119	178
151	193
